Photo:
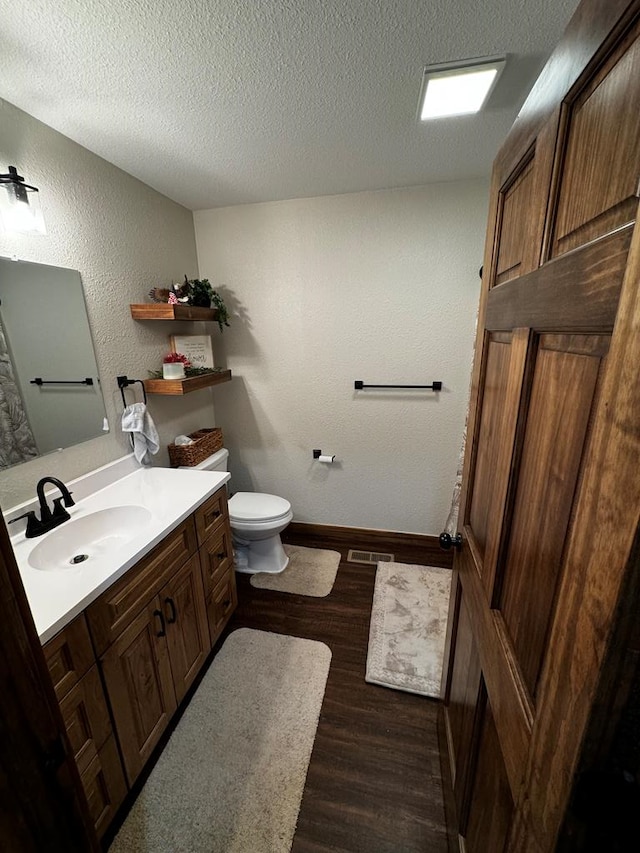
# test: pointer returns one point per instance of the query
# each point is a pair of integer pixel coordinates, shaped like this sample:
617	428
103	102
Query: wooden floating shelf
165	311
178	387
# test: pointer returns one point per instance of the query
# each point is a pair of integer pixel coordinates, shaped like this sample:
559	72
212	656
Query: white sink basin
95	535
115	526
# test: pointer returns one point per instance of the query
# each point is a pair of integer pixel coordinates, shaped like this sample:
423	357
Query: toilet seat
257	508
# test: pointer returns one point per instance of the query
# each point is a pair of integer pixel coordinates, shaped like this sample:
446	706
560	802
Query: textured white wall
379	286
124	238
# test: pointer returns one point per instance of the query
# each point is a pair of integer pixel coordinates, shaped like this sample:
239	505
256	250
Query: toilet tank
216	462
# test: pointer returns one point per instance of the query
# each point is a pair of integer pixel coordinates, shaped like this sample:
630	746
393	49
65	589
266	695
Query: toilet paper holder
317	454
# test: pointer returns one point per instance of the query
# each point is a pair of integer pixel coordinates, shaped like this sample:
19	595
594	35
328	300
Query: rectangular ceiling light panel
456	89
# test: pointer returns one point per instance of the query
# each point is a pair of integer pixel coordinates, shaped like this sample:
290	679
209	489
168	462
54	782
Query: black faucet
48	518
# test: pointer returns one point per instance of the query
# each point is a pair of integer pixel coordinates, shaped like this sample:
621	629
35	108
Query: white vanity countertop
56	596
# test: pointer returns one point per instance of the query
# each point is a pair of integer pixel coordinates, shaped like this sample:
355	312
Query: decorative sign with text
197	349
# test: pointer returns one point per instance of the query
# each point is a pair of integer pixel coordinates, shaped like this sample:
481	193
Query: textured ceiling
216	103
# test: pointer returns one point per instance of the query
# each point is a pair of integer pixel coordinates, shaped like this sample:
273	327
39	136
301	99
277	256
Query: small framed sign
197	349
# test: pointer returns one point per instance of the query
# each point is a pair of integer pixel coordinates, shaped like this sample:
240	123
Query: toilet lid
255	506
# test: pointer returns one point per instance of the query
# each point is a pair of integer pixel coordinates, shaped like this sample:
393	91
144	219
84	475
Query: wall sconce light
20	209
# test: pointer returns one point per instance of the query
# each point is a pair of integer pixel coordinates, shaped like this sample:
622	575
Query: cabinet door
140	686
187	630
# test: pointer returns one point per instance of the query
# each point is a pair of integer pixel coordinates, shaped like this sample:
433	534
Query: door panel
494	454
564	386
492	805
464	709
513	242
599	187
488	442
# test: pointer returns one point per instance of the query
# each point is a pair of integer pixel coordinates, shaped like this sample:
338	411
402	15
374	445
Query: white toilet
257	520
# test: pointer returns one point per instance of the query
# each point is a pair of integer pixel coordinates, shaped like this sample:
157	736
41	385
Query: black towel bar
360	386
40	381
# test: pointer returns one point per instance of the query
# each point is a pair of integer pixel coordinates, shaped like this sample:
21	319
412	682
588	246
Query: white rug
311	571
230	780
408	627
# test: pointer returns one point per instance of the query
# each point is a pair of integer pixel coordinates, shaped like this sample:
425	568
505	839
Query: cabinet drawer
69	655
121	603
104	785
216	558
221	604
211	515
85	715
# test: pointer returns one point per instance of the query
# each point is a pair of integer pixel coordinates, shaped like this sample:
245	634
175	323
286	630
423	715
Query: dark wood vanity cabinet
142	643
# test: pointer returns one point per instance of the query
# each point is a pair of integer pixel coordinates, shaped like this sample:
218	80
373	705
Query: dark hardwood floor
374	782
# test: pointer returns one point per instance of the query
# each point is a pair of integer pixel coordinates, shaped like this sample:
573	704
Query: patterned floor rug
311	571
231	777
408	627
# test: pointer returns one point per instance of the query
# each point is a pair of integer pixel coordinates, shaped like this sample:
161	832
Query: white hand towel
137	420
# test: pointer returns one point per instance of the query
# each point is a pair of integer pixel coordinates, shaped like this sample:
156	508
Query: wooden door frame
44	806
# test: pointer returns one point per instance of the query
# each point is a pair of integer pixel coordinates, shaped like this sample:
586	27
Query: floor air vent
369	557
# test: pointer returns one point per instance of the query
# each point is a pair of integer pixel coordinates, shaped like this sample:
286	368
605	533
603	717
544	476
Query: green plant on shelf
197	292
202	295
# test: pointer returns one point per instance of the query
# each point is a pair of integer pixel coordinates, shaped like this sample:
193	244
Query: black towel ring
125	382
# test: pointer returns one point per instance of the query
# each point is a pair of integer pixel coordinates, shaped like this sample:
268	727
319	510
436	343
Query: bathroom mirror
50	396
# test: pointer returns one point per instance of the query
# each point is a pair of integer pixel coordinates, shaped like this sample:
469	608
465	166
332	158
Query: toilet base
261	555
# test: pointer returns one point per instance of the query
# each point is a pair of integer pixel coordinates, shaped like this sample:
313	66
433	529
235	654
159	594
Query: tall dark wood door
42	805
551	492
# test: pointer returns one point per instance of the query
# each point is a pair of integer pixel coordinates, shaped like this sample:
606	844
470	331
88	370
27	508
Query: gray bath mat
230	780
408	627
311	571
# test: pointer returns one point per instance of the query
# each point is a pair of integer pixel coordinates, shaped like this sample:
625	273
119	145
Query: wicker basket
205	442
